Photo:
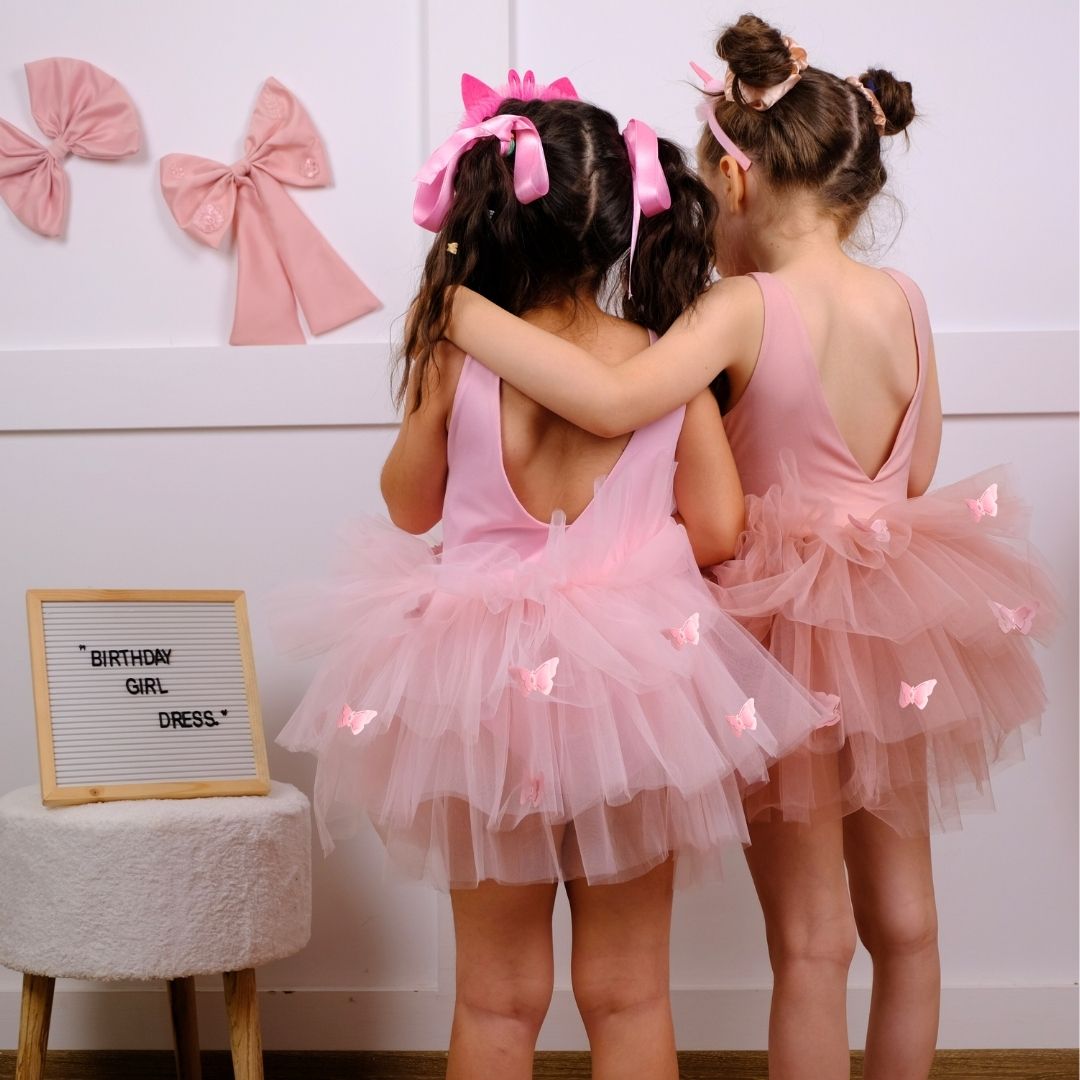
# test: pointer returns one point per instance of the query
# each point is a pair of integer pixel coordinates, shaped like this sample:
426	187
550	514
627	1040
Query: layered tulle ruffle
920	617
639	748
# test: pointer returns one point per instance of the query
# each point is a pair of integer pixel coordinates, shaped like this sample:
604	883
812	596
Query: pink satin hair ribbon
83	111
706	112
435	181
282	257
652	195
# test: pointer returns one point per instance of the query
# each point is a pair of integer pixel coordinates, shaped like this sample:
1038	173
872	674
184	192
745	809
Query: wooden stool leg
185	1028
37	999
245	1035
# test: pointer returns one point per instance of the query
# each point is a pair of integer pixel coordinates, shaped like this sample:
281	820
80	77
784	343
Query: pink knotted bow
651	193
282	256
84	112
435	181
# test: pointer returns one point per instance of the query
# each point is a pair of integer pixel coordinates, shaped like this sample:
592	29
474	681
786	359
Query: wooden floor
729	1065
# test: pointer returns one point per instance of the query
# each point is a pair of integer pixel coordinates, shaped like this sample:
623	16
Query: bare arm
924	456
609	401
708	494
413	479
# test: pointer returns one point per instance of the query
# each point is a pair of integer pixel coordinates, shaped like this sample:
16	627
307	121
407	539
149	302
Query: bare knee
811	936
519	1001
603	990
903	927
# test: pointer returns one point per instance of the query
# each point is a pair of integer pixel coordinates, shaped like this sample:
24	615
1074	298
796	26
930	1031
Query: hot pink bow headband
435	181
282	256
83	111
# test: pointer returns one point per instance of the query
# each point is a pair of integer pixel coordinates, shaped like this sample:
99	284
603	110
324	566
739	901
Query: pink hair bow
652	195
482	101
83	111
435	190
282	256
706	112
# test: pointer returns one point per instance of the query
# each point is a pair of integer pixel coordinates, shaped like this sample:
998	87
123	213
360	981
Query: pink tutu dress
535	701
918	613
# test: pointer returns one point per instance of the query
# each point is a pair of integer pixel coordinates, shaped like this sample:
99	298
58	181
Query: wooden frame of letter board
53	794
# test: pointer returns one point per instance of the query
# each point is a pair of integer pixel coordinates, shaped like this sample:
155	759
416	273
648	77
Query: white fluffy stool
153	889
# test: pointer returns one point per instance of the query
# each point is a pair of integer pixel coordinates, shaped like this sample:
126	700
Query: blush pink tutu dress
918	613
535	701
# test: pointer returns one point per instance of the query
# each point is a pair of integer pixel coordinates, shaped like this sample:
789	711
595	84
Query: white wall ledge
997	373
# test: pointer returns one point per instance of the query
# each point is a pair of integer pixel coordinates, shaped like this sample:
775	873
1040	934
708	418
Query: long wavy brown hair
573	241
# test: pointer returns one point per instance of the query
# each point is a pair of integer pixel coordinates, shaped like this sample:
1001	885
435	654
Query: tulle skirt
583	713
921	619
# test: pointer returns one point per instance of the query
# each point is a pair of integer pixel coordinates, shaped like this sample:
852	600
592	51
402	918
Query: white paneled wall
137	450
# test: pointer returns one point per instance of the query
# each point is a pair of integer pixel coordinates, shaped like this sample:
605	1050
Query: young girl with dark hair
552	697
918	610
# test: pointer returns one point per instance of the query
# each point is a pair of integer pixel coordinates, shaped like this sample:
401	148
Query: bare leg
798	871
620	970
892	891
505	972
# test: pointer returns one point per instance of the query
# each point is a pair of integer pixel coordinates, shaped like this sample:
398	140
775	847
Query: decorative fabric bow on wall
83	111
282	257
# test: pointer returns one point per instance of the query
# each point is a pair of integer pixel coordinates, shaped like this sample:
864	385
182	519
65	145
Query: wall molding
92	1017
998	373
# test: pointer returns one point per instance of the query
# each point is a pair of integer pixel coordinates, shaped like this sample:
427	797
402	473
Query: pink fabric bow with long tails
435	181
282	257
83	111
652	195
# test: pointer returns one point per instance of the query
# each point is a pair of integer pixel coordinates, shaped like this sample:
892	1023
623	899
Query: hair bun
893	96
755	52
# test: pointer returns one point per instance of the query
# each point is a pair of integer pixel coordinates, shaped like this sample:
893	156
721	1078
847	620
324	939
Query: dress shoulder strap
917	302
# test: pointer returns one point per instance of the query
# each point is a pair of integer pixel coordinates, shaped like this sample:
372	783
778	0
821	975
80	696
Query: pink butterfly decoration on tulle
539	680
916	695
687	634
745	719
879	527
985	505
355	719
482	101
1018	618
532	791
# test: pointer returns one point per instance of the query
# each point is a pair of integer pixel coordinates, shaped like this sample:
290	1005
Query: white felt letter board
144	694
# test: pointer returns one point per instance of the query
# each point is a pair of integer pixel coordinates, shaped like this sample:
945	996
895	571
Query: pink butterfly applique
745	719
536	680
532	791
1018	619
916	695
355	719
985	505
835	716
687	634
879	528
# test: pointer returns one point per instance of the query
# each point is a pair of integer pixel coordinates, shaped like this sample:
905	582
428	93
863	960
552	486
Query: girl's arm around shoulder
722	327
708	494
924	455
413	479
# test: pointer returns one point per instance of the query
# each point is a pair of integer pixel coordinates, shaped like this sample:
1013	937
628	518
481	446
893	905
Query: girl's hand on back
722	331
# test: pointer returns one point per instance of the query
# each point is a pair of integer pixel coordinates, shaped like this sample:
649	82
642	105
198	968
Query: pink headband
435	190
83	111
706	112
482	101
758	98
652	195
282	258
